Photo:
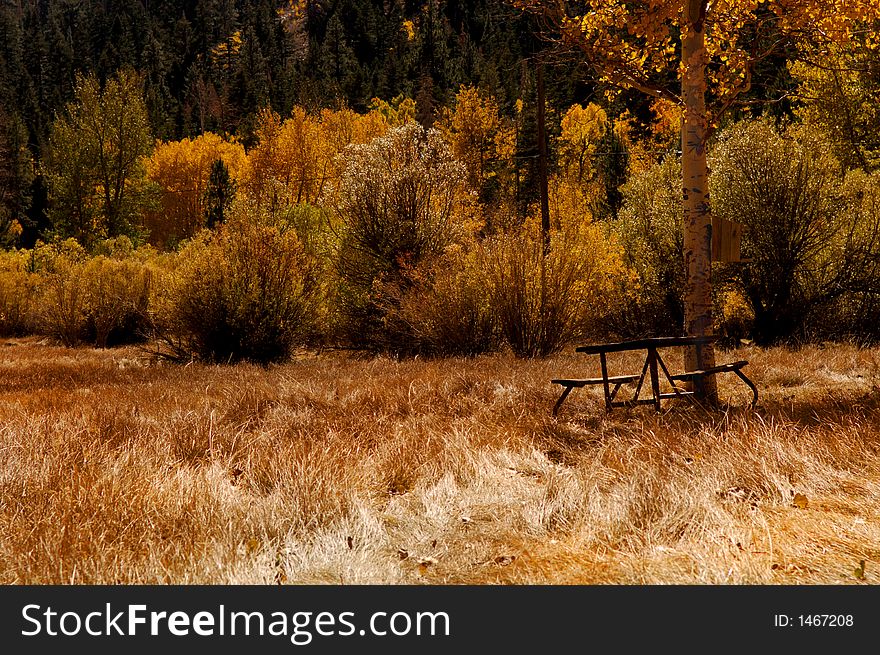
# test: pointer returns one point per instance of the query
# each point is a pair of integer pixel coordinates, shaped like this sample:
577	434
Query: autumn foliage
245	291
367	229
182	169
295	159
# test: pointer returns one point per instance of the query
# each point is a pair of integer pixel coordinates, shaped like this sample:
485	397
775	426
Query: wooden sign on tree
726	240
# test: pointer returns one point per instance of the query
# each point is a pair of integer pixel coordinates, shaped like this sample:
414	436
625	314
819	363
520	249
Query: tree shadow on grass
585	426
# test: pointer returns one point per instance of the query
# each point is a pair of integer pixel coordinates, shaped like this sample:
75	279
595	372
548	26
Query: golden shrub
247	292
17	291
117	299
734	317
100	299
449	310
544	301
61	307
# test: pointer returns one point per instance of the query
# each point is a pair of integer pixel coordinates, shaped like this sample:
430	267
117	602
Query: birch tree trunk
697	221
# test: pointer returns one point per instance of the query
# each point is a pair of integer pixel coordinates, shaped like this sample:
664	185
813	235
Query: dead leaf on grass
860	570
424	563
791	567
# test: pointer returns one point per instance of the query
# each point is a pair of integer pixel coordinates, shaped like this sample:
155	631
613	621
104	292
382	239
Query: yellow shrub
61	308
247	291
17	291
544	302
100	299
734	318
117	299
449	311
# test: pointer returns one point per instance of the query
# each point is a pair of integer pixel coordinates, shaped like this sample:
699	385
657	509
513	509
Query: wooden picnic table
652	368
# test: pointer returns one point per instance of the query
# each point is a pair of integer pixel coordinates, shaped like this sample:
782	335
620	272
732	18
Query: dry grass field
118	468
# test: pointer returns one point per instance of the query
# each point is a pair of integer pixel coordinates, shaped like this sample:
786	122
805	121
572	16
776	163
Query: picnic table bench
654	364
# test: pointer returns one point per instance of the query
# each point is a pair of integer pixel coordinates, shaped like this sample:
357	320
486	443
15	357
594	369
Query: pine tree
16	176
219	194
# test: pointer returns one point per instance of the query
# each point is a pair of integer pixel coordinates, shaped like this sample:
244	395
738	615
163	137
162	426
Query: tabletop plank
641	344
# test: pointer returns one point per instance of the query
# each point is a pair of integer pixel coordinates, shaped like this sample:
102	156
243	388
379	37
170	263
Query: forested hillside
211	65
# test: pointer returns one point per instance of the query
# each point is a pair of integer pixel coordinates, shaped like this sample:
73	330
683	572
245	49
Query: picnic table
651	370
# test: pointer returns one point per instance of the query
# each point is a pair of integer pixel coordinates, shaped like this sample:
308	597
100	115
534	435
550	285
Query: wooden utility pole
542	160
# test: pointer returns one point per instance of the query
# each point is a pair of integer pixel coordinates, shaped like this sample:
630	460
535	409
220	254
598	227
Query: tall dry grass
333	469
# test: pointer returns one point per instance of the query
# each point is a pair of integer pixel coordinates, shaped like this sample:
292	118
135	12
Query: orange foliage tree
182	170
710	49
481	139
582	129
296	160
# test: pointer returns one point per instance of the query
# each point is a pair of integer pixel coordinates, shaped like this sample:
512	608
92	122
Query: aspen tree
699	55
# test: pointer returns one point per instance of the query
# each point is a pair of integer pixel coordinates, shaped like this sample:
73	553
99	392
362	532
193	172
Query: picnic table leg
635	397
604	364
561	400
665	370
655	379
752	386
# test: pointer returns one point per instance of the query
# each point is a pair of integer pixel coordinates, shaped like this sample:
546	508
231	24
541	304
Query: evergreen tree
219	194
612	163
16	176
